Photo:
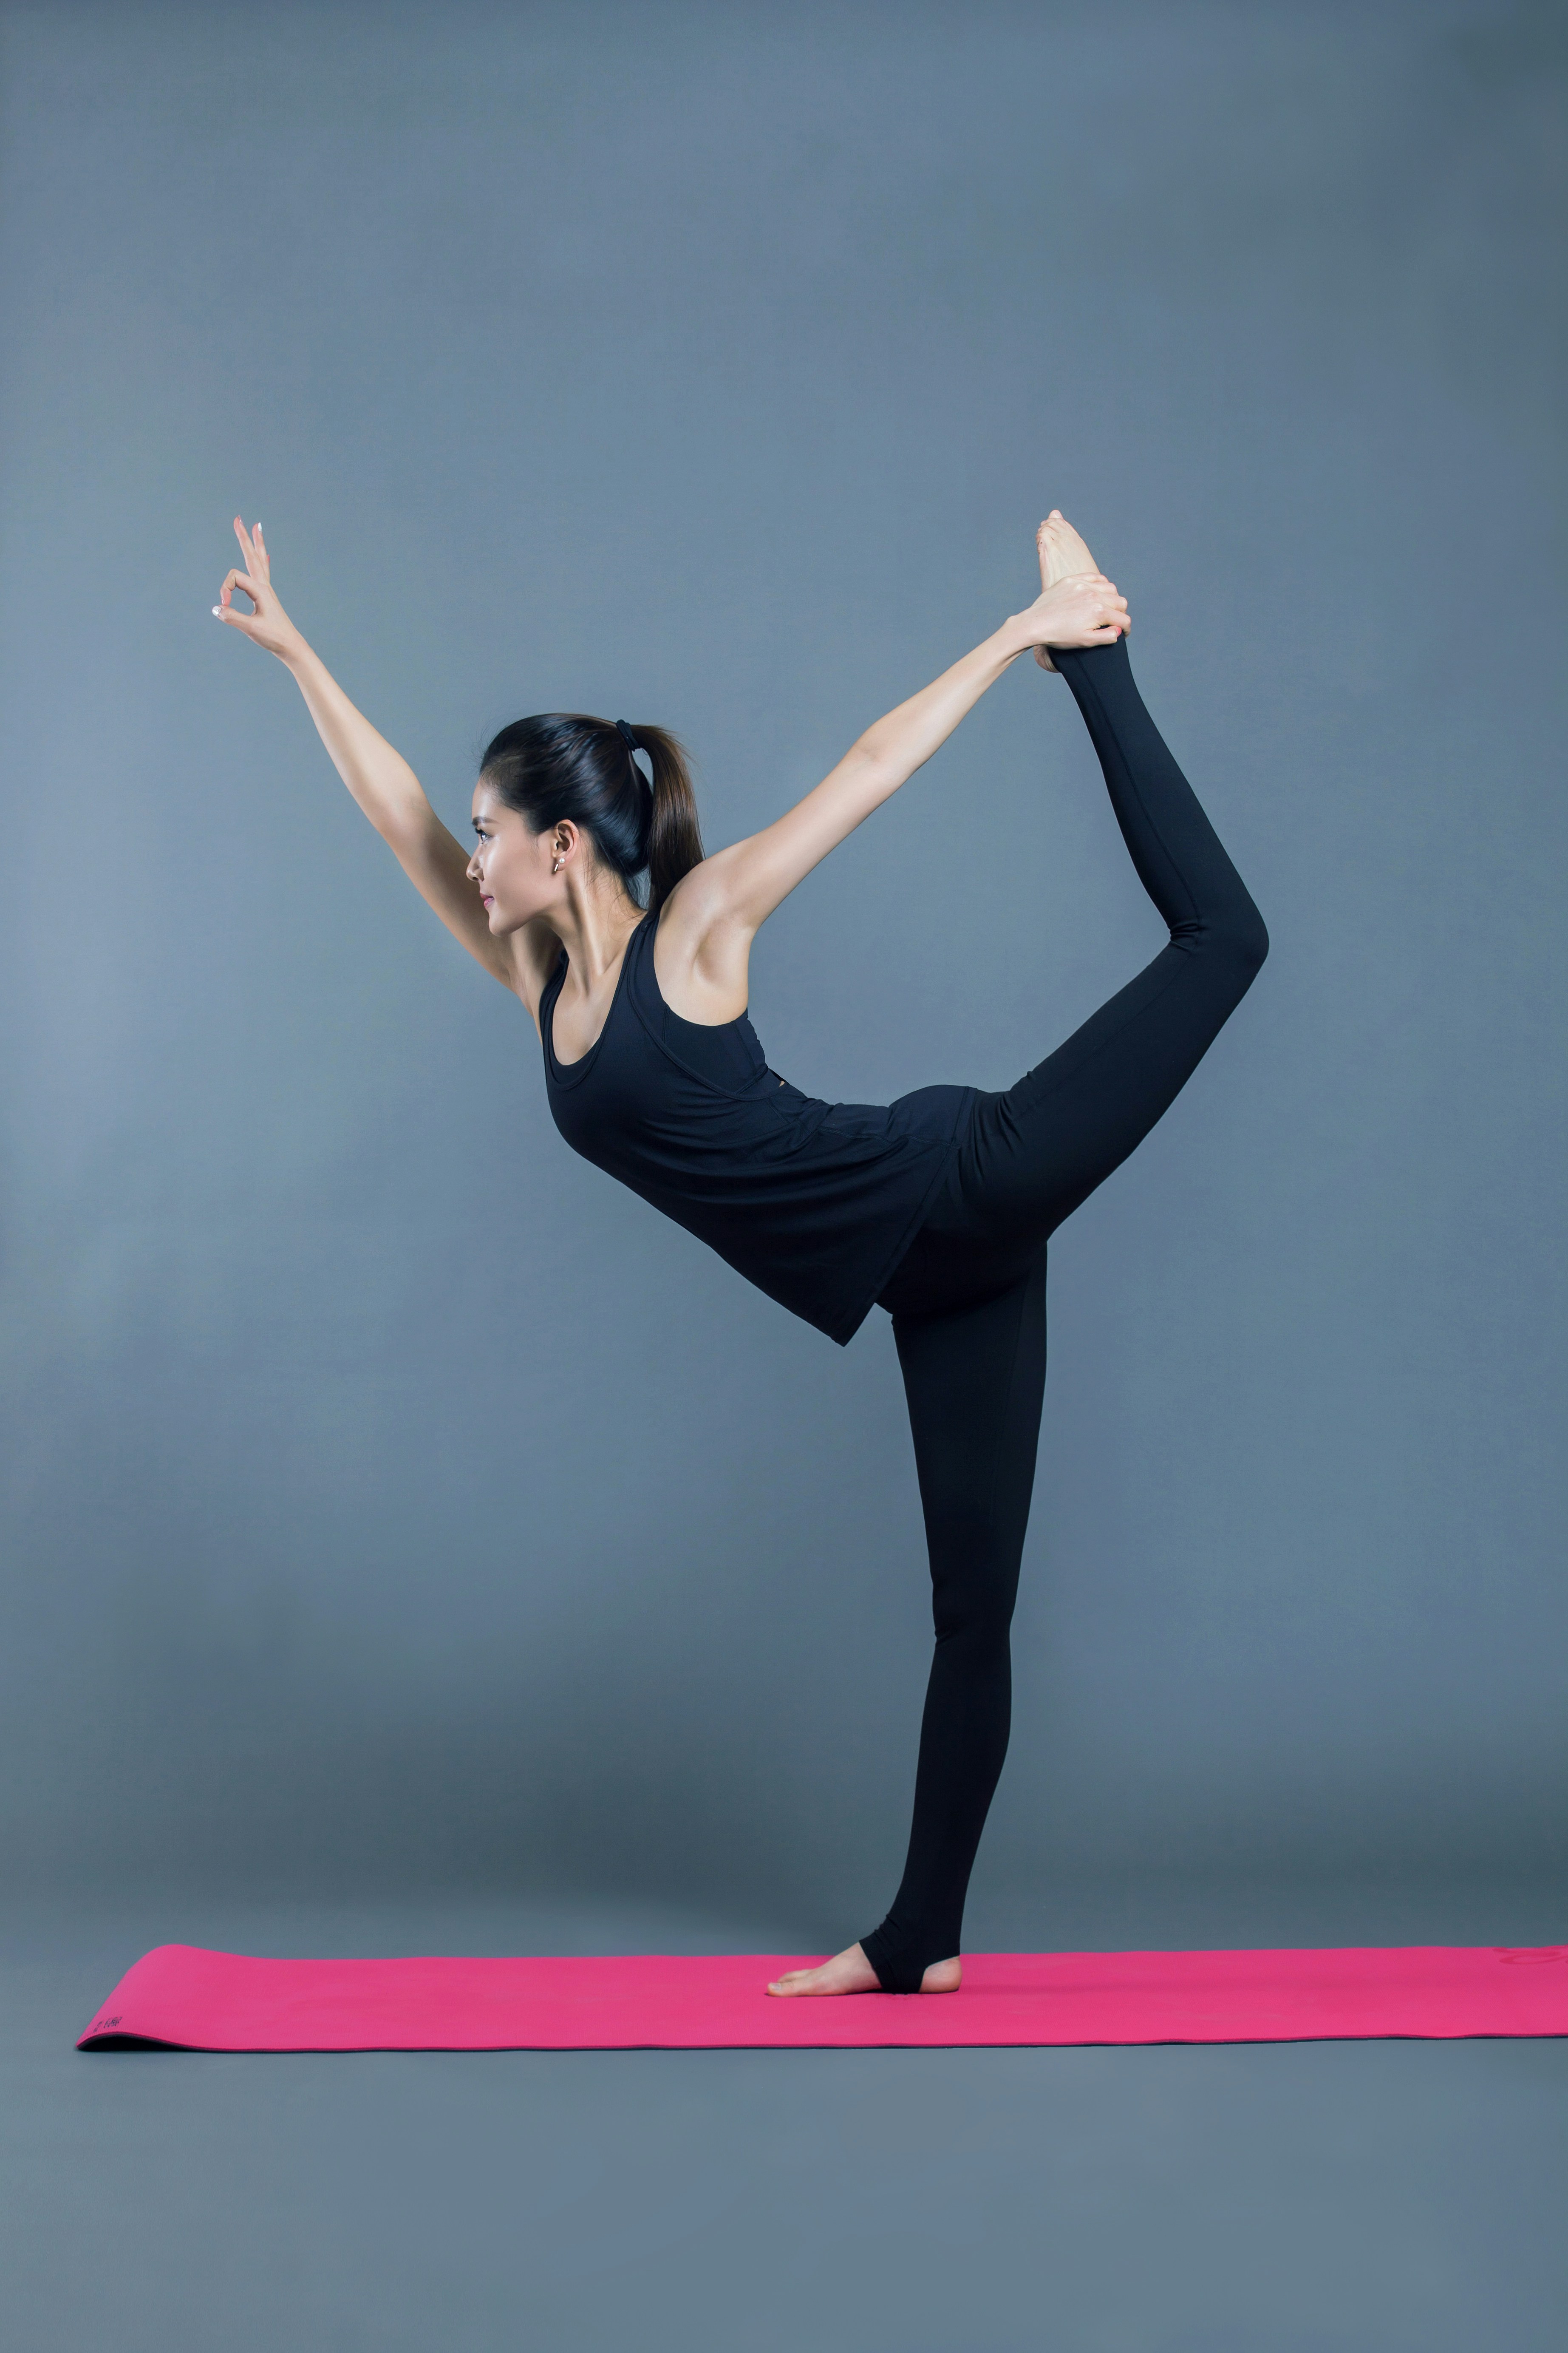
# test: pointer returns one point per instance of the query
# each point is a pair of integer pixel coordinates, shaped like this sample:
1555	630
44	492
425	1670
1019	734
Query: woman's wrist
298	657
1017	635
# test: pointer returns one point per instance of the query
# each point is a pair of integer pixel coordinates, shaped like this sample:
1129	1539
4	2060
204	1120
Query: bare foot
1061	551
851	1972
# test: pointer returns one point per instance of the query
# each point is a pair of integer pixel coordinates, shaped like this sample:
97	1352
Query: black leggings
968	1298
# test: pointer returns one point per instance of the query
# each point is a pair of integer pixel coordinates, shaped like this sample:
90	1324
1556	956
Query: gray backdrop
390	1501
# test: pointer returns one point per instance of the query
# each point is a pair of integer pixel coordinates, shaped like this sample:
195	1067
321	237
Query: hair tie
628	736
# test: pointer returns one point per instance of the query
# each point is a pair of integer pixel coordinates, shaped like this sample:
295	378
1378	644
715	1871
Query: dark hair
563	764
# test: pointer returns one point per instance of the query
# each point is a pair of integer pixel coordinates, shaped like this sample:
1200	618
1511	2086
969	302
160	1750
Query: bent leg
1039	1149
974	1380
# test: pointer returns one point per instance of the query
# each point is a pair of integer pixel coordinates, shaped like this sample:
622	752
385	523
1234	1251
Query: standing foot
851	1972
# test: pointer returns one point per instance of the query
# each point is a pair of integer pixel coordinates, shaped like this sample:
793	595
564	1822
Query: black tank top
814	1202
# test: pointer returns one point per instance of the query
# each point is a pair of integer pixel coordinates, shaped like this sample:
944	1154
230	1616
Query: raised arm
741	886
380	779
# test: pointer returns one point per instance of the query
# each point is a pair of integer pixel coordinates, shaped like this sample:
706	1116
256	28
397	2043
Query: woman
938	1206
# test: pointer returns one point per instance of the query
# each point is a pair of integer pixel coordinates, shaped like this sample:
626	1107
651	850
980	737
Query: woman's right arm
380	779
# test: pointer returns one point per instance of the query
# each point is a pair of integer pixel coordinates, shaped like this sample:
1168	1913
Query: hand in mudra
1094	612
267	624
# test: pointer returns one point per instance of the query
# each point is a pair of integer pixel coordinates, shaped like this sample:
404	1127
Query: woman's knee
1241	938
975	1604
1229	948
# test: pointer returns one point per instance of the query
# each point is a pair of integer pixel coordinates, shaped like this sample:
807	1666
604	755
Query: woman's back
813	1202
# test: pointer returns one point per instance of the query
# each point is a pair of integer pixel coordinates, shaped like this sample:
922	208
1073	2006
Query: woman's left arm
741	886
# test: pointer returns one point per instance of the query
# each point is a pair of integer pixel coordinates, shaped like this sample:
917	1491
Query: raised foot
1061	551
851	1972
1084	608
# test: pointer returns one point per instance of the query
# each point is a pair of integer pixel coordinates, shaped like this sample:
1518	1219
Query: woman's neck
593	928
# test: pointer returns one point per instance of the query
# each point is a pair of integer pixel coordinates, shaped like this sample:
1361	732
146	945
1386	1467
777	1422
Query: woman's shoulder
702	957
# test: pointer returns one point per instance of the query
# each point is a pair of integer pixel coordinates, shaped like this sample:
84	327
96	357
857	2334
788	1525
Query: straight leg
974	1380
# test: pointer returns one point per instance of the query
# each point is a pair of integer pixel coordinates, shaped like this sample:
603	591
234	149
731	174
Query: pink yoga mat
197	2000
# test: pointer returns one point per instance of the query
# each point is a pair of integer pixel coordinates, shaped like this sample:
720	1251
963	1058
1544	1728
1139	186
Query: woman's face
511	865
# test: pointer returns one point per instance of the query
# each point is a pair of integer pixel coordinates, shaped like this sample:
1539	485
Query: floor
1396	2196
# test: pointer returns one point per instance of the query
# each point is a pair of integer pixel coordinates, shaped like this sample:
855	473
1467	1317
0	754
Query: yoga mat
199	2000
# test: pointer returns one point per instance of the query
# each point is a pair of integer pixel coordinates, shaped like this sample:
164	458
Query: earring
556	869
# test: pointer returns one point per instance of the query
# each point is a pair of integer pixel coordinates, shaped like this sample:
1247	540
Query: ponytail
674	834
564	764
